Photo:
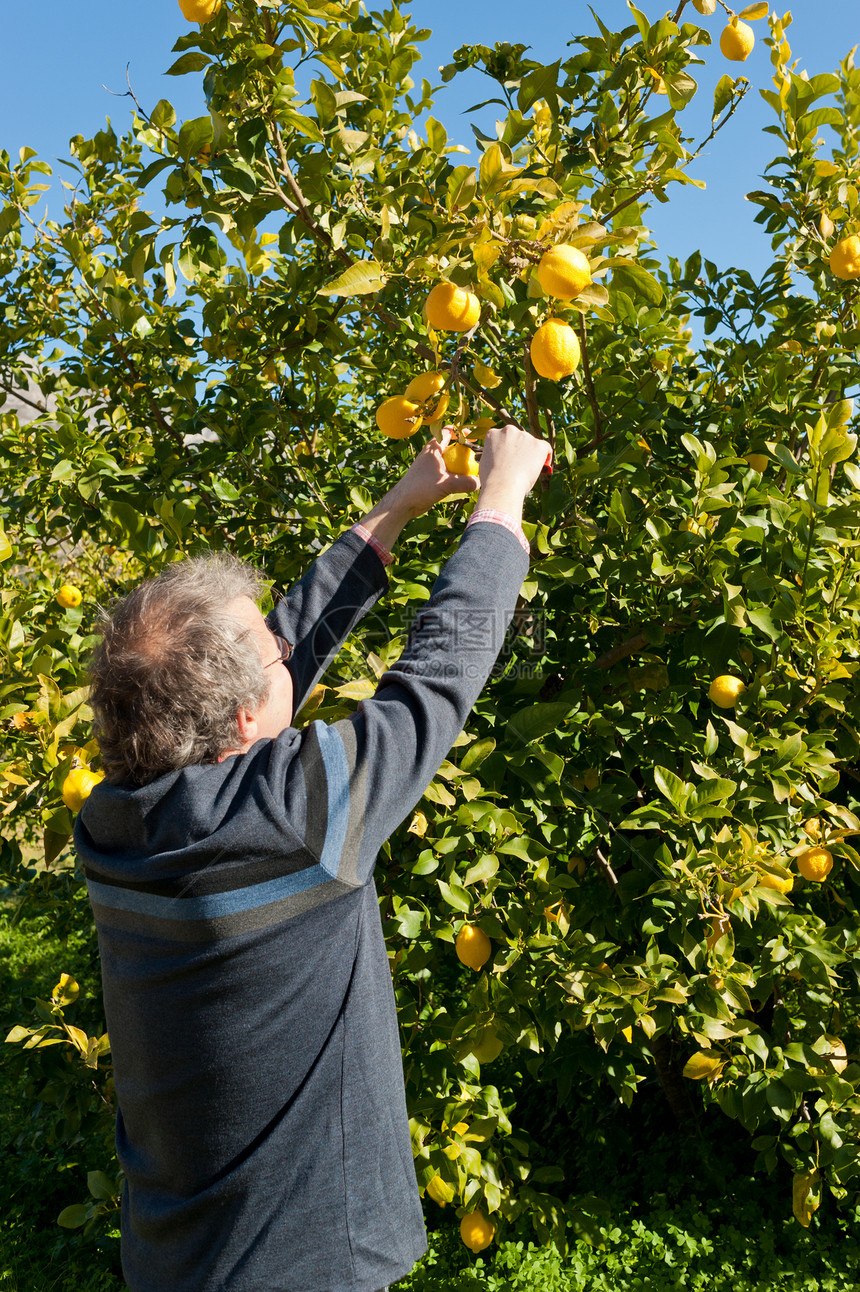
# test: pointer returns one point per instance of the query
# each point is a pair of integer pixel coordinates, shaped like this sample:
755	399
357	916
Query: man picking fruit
229	858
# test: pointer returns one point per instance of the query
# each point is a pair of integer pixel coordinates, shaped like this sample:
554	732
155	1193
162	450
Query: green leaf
538	720
462	187
455	895
540	83
476	753
763	621
100	1186
194	61
672	788
756	1043
712	742
641	21
723	95
163	115
680	88
481	871
75	1216
194	135
409	922
361	279
631	278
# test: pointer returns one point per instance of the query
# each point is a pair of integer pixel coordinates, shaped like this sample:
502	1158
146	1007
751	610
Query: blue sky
52	88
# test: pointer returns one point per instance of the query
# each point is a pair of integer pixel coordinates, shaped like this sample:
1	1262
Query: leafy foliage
207	376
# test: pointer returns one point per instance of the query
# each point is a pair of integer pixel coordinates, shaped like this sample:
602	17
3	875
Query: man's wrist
501	498
386	520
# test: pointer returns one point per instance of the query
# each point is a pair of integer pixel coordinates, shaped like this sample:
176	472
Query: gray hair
173	669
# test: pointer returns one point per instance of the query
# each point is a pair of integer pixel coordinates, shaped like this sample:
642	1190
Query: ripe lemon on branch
845	257
473	947
422	388
398	417
725	691
815	864
450	308
69	597
476	1231
460	460
563	272
199	10
78	786
555	350
737	40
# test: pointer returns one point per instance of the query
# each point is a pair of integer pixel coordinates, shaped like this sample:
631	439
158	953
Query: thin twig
606	868
589	384
531	398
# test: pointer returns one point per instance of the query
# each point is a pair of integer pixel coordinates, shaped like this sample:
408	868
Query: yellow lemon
473	947
199	10
815	864
450	308
460	460
424	387
757	461
706	7
725	691
69	597
476	1231
555	350
737	41
78	786
563	272
398	417
845	257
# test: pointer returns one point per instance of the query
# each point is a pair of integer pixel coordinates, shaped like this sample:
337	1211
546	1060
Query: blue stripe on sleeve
212	905
337	782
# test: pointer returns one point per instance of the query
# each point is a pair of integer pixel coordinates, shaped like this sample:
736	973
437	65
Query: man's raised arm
343	584
366	773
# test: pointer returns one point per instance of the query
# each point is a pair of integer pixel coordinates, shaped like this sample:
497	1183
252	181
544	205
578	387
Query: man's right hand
511	462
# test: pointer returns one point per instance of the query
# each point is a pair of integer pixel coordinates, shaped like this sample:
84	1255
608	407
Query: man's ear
248	727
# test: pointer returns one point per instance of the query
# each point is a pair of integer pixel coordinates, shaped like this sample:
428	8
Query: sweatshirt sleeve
320	612
364	774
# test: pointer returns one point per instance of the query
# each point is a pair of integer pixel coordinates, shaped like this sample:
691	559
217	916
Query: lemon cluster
425	400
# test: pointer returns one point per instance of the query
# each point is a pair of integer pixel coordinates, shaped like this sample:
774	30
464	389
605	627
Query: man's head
187	671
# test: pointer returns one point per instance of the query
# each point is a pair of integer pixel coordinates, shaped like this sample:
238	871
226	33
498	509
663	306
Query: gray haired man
229	858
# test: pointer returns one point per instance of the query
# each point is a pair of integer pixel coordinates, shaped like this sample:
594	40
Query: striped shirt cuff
382	552
500	518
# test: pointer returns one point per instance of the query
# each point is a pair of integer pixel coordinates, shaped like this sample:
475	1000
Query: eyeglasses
285	651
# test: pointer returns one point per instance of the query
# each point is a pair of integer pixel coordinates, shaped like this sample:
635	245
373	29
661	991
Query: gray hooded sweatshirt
262	1123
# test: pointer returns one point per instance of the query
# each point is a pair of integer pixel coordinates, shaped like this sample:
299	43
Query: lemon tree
639	859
